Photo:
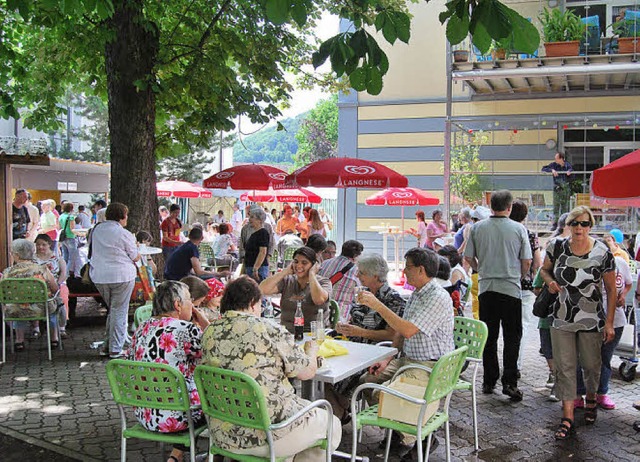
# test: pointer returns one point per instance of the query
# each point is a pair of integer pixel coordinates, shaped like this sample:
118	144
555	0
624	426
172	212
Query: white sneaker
550	381
552	395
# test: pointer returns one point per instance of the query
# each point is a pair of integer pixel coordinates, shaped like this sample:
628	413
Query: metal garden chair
25	291
442	379
141	314
472	334
287	257
237	399
154	386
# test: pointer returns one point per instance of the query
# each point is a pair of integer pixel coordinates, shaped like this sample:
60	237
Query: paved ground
62	410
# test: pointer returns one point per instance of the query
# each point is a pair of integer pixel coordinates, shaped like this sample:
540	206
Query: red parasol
283	195
619	179
345	172
181	189
248	176
402	196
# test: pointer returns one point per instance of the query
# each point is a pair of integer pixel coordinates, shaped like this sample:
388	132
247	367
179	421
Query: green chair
25	291
273	262
141	314
207	257
287	257
335	313
235	398
472	334
153	386
442	380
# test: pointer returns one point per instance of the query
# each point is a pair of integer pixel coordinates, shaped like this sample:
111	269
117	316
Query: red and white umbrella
247	176
181	189
283	195
402	197
619	179
345	172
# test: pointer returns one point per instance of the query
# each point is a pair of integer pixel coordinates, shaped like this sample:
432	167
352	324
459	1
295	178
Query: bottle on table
320	327
267	313
298	322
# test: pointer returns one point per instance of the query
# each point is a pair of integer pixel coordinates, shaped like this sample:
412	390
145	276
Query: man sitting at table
424	332
287	222
342	272
186	260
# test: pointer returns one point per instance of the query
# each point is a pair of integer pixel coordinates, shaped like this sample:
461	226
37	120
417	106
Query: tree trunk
130	58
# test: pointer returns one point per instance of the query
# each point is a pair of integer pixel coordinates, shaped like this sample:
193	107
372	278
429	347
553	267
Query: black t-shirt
179	263
20	222
258	239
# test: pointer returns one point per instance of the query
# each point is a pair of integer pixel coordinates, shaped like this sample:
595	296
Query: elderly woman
243	341
58	267
24	266
171	336
437	228
575	268
366	325
300	282
113	271
256	261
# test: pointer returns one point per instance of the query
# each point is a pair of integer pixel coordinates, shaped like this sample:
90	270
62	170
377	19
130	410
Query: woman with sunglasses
575	268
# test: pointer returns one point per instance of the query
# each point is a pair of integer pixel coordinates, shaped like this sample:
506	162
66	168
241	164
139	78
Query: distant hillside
269	145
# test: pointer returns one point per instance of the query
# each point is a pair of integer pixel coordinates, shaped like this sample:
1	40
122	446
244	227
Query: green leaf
280	127
403	27
384	64
457	29
104	8
496	20
72	7
526	37
351	64
358	42
374	81
299	13
381	18
481	38
389	32
319	57
358	79
278	11
337	61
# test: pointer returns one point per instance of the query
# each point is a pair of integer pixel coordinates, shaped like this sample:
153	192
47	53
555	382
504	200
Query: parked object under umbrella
247	176
181	189
401	197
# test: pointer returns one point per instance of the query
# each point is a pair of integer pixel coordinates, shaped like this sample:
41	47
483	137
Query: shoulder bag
545	301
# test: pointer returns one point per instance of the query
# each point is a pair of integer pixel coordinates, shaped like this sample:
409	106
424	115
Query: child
205	295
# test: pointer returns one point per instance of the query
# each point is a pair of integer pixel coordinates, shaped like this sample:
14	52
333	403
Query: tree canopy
175	73
318	134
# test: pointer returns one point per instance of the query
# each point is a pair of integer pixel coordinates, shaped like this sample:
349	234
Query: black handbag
545	303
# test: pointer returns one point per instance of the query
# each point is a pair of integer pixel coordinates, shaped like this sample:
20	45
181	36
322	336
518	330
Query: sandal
590	411
564	431
18	346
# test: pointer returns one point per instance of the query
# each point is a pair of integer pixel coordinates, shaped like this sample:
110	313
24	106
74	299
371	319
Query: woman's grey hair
101	215
373	264
466	213
167	294
23	249
258	213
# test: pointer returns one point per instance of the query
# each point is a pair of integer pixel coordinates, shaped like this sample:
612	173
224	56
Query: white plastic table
146	250
337	368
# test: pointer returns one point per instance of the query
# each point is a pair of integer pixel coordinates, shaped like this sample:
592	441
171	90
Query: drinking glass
314	329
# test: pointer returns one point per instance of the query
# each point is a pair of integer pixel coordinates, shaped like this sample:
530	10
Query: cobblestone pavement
65	407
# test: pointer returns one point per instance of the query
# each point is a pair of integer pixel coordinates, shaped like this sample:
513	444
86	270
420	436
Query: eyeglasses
584	224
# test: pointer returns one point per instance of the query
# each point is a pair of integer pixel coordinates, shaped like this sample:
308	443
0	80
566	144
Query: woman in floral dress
170	337
243	341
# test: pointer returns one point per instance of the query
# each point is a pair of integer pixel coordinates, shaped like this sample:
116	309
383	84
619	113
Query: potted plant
460	56
500	49
562	32
628	32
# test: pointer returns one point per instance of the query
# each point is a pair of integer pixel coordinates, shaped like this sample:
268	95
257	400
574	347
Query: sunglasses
584	224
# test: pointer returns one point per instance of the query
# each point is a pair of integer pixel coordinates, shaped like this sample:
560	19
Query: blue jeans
263	272
605	371
71	255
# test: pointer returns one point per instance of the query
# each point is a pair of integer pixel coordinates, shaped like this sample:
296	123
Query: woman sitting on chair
171	336
300	282
224	249
24	266
243	341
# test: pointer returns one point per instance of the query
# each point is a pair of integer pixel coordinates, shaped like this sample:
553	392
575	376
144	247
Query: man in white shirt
83	219
219	218
236	220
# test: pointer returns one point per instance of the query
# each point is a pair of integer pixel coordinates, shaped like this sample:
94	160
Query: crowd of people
214	317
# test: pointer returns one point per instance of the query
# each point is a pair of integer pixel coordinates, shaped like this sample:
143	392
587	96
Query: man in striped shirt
343	272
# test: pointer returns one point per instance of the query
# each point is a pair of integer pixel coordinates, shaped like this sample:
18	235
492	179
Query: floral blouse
28	269
176	343
266	352
580	302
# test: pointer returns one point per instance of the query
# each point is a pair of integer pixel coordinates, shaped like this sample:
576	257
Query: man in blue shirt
561	171
186	259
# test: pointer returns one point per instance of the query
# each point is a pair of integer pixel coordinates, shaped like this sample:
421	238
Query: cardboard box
393	408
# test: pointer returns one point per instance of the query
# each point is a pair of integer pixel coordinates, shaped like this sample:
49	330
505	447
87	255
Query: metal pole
447	136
